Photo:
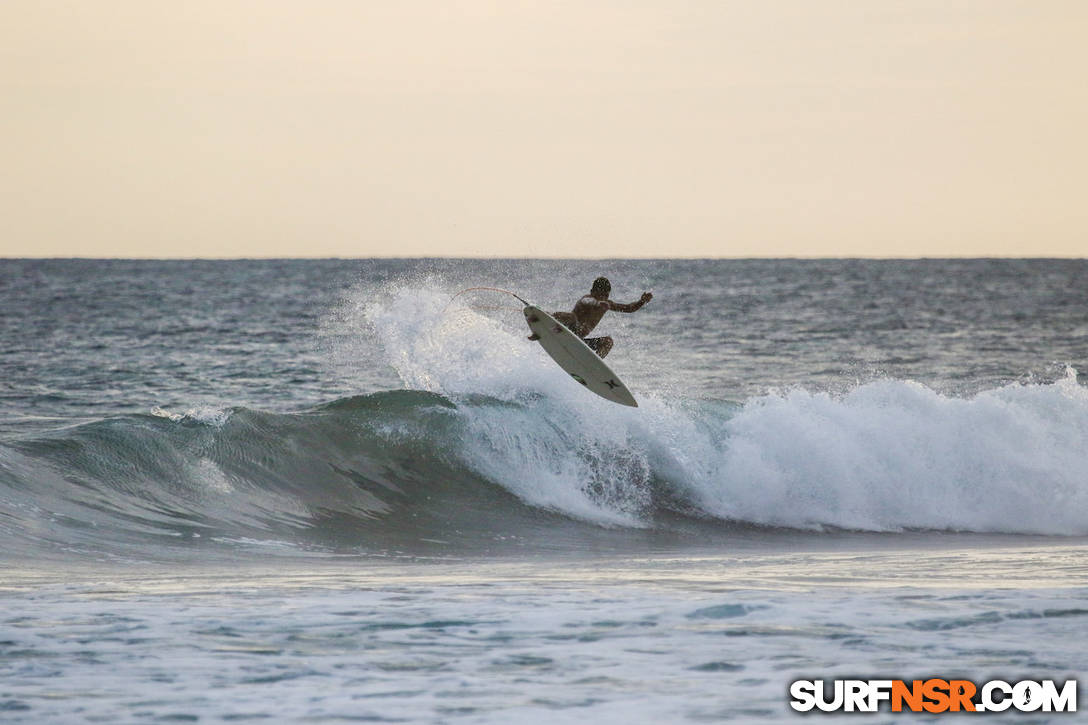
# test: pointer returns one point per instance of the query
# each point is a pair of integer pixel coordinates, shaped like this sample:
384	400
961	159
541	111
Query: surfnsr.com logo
934	695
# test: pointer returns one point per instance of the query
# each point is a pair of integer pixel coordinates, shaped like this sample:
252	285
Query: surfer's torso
587	312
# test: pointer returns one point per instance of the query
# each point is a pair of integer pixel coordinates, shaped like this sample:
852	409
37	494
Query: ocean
326	490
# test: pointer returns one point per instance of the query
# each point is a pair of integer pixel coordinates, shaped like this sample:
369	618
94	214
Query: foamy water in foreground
615	639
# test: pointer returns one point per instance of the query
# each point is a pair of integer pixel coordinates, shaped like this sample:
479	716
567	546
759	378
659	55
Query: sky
583	128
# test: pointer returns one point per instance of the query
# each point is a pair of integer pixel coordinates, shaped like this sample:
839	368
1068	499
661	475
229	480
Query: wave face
390	470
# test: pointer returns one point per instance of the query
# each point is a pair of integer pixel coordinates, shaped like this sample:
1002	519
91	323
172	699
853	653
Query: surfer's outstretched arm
631	306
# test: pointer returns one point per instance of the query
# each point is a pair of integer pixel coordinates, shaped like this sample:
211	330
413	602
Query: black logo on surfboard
612	384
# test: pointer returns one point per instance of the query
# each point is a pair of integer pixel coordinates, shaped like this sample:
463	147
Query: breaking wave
491	446
390	470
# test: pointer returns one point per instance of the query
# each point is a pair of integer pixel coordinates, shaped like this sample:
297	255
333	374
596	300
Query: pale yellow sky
616	128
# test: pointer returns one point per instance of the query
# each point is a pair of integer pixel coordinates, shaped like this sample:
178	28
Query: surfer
589	310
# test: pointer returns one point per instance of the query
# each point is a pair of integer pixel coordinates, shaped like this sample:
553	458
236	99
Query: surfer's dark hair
601	285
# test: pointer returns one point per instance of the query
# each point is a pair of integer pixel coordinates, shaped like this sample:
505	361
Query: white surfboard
576	358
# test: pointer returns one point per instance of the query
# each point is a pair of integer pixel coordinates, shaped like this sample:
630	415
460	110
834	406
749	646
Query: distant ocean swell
382	471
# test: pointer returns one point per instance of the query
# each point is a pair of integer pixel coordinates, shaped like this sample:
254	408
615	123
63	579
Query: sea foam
885	456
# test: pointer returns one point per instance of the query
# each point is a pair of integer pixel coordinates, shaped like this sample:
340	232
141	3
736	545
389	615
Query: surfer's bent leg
567	320
599	345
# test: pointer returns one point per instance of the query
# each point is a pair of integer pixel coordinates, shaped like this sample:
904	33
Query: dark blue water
319	491
348	403
94	338
316	491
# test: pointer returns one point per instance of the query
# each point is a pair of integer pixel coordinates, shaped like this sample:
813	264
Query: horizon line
806	257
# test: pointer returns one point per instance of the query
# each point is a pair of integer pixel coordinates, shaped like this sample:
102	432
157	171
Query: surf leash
489	289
